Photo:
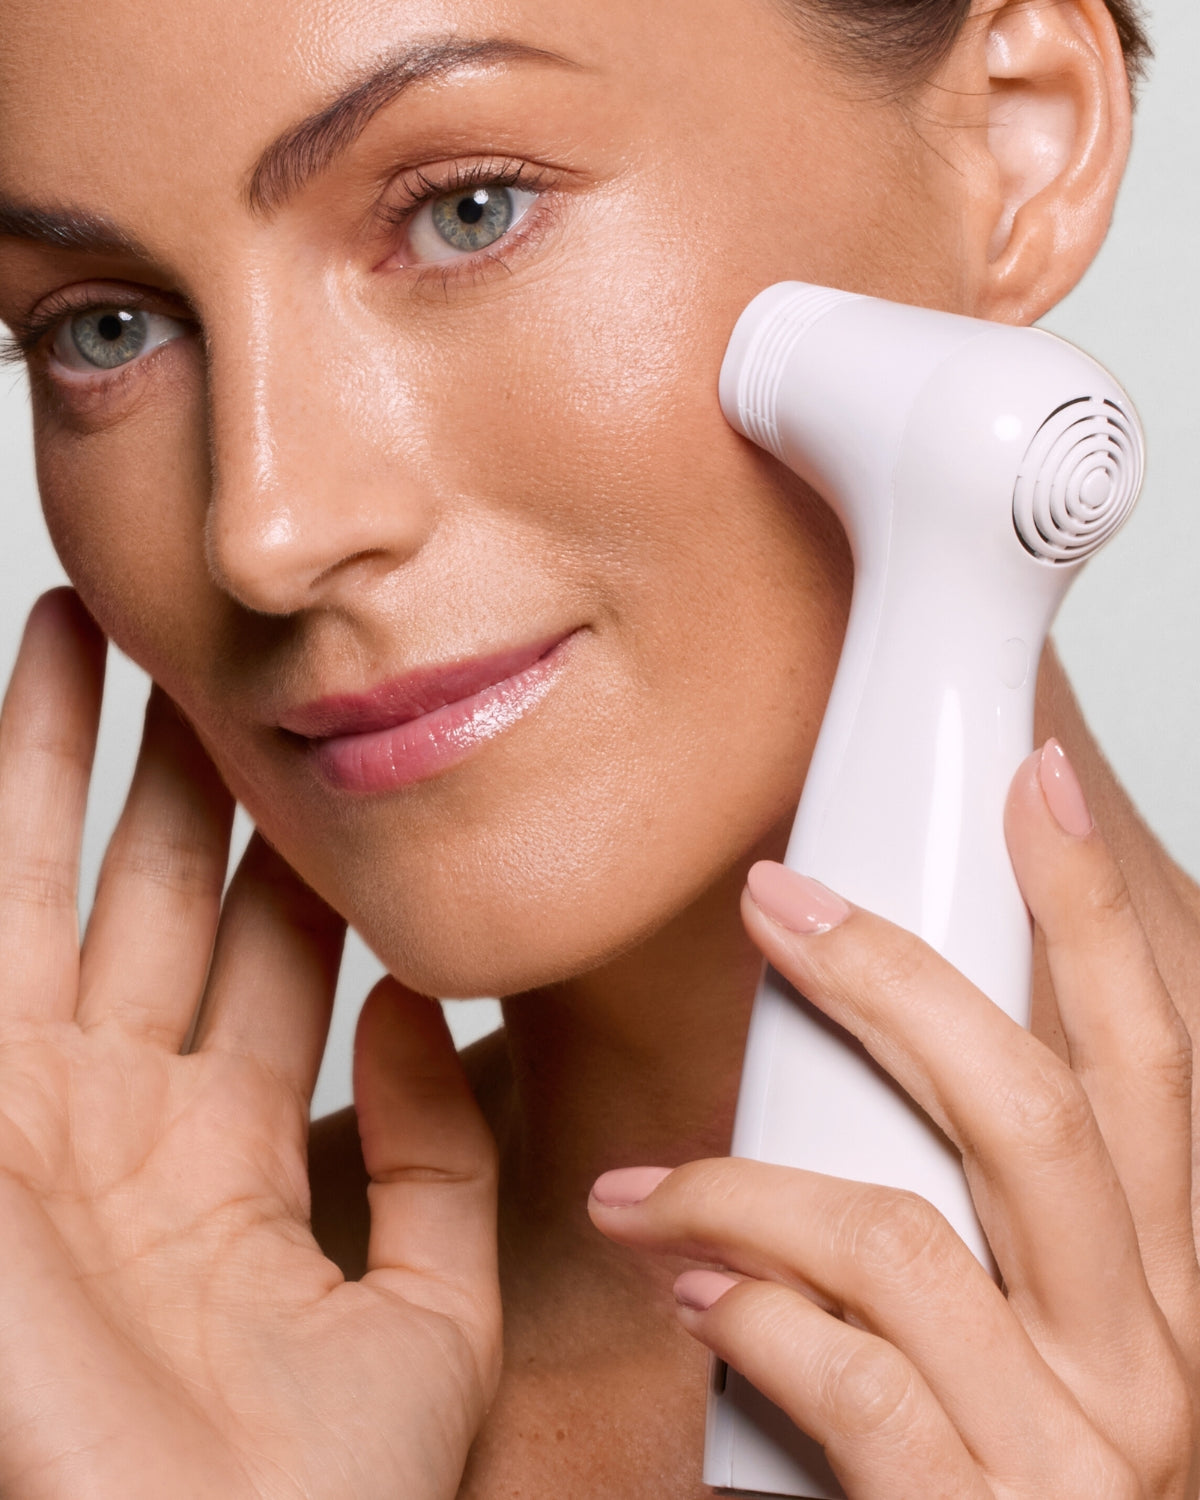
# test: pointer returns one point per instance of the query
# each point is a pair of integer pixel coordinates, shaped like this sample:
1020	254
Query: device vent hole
1079	479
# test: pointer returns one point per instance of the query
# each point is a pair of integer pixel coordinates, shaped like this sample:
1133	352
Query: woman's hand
859	1311
168	1325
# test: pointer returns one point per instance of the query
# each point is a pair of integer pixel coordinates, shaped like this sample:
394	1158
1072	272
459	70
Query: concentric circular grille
1079	480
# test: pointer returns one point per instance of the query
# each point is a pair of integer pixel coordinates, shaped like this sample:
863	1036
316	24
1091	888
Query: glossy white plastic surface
974	467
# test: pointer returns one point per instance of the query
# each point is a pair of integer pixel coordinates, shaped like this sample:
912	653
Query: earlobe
1058	132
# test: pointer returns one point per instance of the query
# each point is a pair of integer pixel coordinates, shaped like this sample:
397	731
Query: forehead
106	98
151	117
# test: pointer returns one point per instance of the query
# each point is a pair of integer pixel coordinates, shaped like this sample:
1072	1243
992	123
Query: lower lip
386	759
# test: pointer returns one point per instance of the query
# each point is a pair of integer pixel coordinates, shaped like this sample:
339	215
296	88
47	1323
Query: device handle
930	716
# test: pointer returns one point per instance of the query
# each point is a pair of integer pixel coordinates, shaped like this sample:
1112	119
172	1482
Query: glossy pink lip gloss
406	731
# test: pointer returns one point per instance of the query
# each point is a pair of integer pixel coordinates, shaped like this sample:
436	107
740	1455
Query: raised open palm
168	1324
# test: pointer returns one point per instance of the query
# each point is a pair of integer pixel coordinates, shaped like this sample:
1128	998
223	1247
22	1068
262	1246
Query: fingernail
1062	791
794	901
699	1290
628	1186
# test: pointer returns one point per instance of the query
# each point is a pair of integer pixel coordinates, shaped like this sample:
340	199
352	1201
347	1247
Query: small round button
1096	490
1014	663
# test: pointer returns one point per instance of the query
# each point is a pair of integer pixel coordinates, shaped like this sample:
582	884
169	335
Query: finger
274	970
1040	1175
888	1263
47	742
430	1157
150	937
884	1434
1128	1045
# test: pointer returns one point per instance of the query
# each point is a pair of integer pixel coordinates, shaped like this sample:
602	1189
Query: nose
314	484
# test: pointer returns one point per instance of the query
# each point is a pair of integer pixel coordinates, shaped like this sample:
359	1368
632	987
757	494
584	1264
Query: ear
1048	164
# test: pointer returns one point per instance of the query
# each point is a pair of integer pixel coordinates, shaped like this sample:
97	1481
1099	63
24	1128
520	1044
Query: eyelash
417	187
411	193
29	332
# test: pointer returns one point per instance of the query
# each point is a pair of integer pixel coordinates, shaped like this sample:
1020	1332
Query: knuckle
1171	1063
876	973
1109	896
415	1175
895	971
873	1390
1047	1112
1168	1073
894	1237
58	747
38	880
179	866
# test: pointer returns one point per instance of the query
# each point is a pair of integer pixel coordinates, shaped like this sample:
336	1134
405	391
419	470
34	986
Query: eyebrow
302	152
305	150
65	228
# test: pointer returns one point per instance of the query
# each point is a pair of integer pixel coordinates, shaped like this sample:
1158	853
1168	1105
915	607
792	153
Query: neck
636	1063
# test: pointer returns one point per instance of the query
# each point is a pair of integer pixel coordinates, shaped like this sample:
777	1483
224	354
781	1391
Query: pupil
110	327
470	210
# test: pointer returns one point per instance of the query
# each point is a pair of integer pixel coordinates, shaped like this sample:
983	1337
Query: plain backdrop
1129	631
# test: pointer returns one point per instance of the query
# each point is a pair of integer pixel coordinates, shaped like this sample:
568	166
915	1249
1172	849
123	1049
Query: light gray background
1130	629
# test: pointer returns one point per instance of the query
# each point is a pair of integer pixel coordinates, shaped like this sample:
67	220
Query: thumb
430	1158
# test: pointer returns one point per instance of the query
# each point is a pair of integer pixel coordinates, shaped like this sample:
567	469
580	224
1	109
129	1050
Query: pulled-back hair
904	40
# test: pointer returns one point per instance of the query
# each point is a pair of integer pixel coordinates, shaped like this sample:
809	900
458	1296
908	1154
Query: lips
417	725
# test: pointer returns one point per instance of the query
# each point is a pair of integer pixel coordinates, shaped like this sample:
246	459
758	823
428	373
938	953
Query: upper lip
418	692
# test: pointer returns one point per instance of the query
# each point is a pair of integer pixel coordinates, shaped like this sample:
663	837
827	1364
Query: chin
501	916
498	944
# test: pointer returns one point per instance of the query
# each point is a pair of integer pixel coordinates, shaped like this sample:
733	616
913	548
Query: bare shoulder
340	1217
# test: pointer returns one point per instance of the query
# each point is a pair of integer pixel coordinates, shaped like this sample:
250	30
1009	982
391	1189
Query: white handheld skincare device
975	468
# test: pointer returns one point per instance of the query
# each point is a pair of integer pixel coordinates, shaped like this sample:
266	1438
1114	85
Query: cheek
591	447
125	502
714	588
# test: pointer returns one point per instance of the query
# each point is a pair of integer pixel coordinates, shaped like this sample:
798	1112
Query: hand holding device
975	468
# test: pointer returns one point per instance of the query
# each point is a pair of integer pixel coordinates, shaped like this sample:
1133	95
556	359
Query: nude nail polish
700	1290
628	1186
794	901
1063	793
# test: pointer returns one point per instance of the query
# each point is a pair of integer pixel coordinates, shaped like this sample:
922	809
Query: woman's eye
466	222
105	338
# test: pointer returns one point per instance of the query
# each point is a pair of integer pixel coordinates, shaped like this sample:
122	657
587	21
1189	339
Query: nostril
296	511
275	565
362	561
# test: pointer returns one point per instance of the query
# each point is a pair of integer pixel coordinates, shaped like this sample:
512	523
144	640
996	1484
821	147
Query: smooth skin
342	463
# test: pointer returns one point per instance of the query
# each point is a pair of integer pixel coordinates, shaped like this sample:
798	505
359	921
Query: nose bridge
303	483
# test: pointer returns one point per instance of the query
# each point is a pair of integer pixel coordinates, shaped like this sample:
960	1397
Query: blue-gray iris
109	336
475	220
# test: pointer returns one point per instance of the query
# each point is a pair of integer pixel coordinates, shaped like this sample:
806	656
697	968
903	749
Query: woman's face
433	381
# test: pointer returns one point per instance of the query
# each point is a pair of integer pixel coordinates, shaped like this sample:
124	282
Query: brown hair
903	40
